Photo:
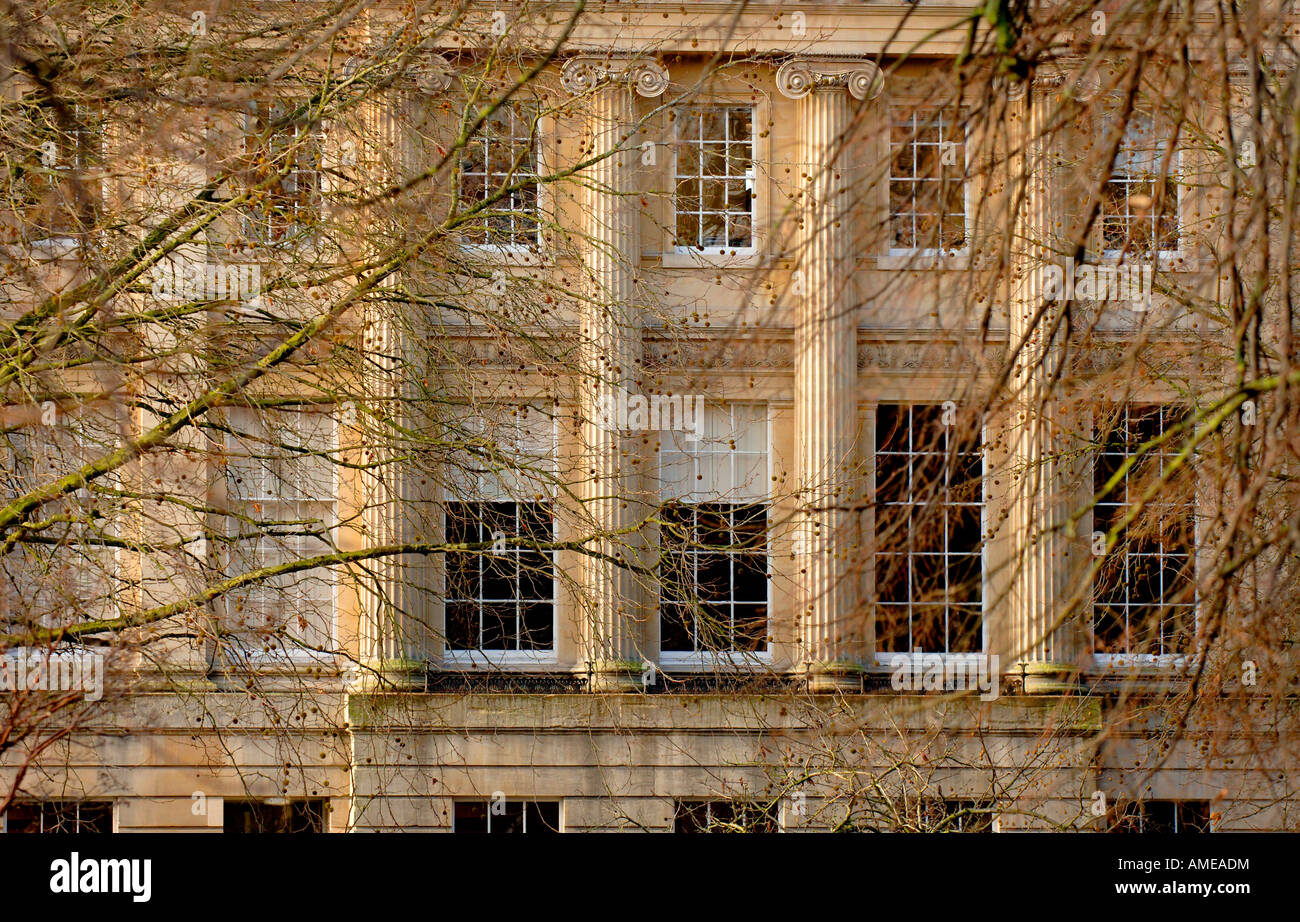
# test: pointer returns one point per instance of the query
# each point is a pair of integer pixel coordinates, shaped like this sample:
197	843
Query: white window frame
950	806
1142	803
477	656
1172	174
669	254
885	659
1131	662
289	653
710	804
750	179
62	245
523	659
558	801
726	660
252	229
77	450
521	254
112	813
928	254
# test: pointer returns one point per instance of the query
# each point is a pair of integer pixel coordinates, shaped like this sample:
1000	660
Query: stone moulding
778	353
755	352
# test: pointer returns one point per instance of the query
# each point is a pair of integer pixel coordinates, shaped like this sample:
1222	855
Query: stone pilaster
611	333
393	645
1040	644
831	625
391	642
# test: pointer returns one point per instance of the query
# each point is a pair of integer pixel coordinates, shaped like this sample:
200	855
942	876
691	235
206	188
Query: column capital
433	75
1014	90
584	74
1069	75
798	77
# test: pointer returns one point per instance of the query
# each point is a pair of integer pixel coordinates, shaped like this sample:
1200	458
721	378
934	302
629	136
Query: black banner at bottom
293	874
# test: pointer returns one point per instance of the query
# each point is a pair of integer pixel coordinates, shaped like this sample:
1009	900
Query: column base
1038	678
616	677
823	678
392	675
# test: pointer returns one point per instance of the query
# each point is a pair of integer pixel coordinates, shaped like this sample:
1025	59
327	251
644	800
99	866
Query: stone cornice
798	77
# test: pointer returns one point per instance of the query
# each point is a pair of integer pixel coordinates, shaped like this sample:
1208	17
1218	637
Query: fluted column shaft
388	499
1042	646
389	621
611	334
830	620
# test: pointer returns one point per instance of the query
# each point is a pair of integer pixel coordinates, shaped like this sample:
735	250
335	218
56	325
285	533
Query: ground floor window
724	816
58	816
289	817
505	816
1162	816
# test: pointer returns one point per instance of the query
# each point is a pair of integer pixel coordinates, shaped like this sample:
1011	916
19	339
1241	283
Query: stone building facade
796	240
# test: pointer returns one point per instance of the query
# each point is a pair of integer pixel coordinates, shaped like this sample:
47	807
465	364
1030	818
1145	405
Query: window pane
714	177
927	187
676	628
500	630
507	818
928	509
1143	592
499	174
471	817
542	817
500	598
537	626
462	625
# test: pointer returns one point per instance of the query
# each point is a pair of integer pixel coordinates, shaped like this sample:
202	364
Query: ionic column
1041	644
391	645
611	334
830	623
393	636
